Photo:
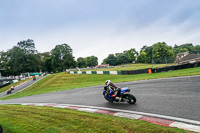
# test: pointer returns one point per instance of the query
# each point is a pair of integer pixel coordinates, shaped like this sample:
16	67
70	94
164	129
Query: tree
28	46
47	64
33	63
46	60
62	58
23	58
91	61
179	50
131	55
122	58
197	48
4	63
188	46
148	51
17	61
162	53
3	59
142	58
111	60
81	62
128	56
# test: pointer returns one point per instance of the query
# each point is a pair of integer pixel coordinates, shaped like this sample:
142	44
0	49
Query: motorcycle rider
12	88
34	78
114	88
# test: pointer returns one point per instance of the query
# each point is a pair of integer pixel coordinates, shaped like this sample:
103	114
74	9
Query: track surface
177	97
21	86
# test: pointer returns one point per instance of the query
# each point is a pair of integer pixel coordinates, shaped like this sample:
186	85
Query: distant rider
114	88
12	88
34	78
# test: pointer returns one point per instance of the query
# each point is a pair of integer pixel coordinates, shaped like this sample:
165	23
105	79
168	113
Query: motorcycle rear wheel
130	97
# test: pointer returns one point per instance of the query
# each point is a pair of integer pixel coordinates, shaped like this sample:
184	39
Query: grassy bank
62	81
30	119
132	67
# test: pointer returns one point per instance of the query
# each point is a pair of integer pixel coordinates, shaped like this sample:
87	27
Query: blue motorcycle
123	94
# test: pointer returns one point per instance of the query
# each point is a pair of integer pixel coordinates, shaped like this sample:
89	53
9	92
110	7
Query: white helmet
107	82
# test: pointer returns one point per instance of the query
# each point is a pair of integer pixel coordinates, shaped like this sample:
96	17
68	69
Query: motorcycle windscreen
123	90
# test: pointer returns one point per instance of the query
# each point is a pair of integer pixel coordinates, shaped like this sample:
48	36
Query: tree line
25	58
157	53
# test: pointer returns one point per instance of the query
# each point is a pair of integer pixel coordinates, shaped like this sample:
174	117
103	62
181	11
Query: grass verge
31	119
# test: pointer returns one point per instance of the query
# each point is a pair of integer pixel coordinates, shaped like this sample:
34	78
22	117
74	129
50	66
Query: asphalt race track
177	97
21	86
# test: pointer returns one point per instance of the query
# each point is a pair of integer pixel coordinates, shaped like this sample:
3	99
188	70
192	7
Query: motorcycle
124	95
12	88
34	78
9	91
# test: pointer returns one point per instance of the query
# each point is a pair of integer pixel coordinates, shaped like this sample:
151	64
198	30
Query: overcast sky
99	27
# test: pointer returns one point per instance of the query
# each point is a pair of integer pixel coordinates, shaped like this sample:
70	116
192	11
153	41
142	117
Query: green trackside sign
33	74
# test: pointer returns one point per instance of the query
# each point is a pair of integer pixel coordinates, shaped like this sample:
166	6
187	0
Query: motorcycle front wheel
131	99
106	97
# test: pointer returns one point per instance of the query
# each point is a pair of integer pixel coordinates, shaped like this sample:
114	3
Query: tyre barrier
176	67
93	72
133	72
1	129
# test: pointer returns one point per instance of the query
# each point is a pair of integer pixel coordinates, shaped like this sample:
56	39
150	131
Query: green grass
62	81
132	67
13	84
31	119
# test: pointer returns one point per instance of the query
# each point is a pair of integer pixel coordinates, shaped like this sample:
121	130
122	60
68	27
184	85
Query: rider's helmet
107	82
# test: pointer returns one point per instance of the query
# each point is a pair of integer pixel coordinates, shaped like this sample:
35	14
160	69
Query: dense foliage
157	53
25	58
128	56
20	59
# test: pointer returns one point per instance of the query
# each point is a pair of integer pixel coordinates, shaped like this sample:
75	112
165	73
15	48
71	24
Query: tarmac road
177	97
21	87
